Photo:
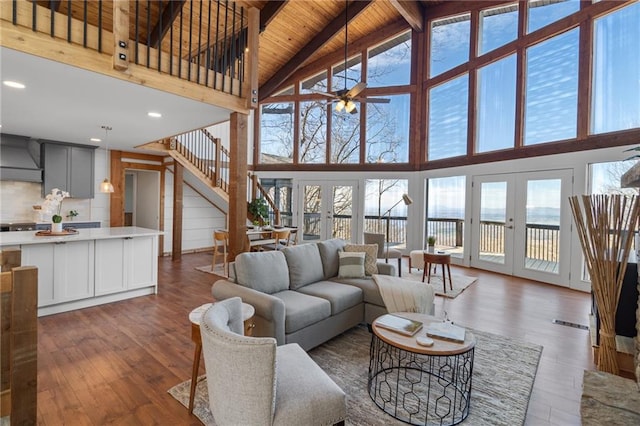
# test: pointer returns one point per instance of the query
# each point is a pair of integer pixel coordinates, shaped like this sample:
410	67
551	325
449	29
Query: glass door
521	225
328	210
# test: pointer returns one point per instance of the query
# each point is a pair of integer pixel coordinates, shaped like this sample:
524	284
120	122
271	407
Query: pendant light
106	186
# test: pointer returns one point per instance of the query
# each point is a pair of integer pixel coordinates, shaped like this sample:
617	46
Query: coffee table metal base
420	389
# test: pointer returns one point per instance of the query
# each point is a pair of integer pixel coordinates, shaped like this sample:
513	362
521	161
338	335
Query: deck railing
202	41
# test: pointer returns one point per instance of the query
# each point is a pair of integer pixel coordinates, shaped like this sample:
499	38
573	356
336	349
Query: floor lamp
407	201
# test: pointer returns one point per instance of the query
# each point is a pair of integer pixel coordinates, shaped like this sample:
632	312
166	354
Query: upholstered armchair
384	252
251	381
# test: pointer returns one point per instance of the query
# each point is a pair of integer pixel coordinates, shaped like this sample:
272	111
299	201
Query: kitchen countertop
29	237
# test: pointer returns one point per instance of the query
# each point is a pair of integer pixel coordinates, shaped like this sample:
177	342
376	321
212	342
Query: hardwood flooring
113	364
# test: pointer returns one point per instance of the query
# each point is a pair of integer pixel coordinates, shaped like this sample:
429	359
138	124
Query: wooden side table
443	259
194	316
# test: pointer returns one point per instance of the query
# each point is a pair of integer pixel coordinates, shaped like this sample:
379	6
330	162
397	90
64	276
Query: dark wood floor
113	364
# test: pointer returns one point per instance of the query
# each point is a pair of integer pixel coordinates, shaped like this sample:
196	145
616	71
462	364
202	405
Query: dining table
262	236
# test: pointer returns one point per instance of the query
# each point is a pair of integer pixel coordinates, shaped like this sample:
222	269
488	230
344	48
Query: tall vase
56	228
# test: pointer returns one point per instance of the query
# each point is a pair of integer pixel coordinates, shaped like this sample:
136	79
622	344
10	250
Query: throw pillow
370	260
351	264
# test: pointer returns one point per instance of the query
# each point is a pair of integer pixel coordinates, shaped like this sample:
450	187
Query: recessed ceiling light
95	140
154	114
13	84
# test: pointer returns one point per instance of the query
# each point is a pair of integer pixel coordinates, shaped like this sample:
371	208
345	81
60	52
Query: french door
521	225
328	210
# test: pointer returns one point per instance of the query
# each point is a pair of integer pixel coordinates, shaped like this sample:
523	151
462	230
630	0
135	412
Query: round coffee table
417	384
195	316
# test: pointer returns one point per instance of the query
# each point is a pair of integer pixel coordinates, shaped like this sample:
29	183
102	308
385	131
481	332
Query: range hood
19	159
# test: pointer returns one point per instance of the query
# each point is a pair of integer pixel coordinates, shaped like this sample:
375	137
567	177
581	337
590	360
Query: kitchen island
93	267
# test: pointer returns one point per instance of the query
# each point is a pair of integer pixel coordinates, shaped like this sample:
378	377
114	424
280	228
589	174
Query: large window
616	71
448	119
316	83
551	109
545	12
353	74
389	63
449	43
276	133
313	132
345	138
499	26
381	213
388	131
445	212
496	105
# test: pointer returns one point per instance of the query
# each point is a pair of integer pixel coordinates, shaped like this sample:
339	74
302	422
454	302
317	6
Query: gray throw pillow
264	271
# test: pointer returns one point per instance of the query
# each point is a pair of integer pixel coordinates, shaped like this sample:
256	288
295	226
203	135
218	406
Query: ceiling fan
346	98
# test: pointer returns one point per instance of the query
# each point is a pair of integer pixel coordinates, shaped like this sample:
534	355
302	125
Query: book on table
446	330
402	325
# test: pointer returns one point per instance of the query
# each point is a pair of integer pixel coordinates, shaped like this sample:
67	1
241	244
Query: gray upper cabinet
69	168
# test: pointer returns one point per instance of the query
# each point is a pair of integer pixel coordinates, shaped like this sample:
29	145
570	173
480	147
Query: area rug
503	375
460	282
609	400
218	270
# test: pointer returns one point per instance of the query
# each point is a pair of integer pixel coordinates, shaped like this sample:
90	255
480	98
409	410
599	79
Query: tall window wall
300	125
505	77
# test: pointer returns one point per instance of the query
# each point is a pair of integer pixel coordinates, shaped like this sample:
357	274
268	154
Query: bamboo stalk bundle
605	225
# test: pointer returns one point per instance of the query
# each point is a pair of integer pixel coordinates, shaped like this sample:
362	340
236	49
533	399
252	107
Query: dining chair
220	245
281	237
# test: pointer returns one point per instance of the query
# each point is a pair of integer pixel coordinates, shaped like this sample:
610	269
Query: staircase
205	157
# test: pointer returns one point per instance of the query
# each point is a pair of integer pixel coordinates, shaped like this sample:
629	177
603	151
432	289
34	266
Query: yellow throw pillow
370	260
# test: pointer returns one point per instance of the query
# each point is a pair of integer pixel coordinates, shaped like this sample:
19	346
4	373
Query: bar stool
220	244
443	259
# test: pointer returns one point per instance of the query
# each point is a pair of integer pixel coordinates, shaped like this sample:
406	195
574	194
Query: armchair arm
387	269
269	310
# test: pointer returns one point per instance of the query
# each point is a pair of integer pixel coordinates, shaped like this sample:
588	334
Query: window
616	67
353	74
276	133
552	89
313	132
445	212
448	119
389	64
450	40
498	26
316	83
380	196
496	105
545	12
605	177
345	137
286	91
388	131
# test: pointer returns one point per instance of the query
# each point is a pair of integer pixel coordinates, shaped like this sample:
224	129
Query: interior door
521	225
328	210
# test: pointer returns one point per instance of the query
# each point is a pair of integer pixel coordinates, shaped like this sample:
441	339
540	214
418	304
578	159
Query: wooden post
253	30
121	35
116	198
216	170
238	185
178	183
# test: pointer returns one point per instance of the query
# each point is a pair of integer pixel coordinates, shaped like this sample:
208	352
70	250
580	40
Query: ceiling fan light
340	105
350	106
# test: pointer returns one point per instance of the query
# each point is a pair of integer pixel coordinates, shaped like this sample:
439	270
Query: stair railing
257	190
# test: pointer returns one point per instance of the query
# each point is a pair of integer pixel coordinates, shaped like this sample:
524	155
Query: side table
194	316
443	259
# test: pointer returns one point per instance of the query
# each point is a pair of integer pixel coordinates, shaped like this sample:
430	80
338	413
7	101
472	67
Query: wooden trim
143	166
116	198
144	157
417	129
252	62
585	56
120	33
178	192
472	98
238	185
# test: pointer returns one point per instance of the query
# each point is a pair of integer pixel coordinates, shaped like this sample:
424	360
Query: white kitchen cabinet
126	263
65	270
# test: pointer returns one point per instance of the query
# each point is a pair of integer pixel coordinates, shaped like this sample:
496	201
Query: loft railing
202	41
206	153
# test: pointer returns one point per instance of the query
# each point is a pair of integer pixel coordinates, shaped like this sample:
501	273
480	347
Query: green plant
258	209
72	213
431	240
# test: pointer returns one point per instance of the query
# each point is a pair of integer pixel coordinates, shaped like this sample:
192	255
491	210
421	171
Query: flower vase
56	227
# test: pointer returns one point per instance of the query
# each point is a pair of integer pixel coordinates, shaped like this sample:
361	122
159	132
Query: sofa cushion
263	271
305	265
302	310
329	254
341	296
371	294
351	264
371	258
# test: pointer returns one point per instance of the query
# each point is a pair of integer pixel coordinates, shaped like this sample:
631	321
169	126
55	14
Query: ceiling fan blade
374	100
329	95
355	90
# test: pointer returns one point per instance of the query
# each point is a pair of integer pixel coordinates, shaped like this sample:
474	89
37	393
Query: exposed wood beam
412	12
169	15
251	66
269	11
312	47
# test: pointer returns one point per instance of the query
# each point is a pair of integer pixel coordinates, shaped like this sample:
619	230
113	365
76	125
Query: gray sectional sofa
297	294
